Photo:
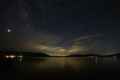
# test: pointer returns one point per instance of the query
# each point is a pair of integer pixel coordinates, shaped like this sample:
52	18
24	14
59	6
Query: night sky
60	27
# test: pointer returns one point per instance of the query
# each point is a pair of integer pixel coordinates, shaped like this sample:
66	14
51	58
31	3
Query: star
9	30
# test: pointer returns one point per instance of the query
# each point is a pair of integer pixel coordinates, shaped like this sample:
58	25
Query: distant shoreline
41	54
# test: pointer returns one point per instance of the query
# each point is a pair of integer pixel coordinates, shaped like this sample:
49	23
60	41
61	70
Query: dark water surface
61	68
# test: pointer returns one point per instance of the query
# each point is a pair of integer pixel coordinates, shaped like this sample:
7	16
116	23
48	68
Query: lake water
61	68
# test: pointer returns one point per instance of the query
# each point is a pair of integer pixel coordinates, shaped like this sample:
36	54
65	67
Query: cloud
53	45
49	44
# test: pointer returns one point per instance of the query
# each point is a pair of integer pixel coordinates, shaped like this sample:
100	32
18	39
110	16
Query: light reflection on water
62	62
55	63
72	64
49	67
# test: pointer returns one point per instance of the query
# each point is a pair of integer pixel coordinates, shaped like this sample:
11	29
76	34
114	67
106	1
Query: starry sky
60	27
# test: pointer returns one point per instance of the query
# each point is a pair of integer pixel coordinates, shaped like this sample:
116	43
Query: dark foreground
61	68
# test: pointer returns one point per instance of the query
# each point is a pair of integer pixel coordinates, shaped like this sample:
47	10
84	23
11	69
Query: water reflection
55	63
74	64
102	60
61	67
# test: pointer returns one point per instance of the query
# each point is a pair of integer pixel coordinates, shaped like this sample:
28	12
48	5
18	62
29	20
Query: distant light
7	56
9	30
20	56
10	56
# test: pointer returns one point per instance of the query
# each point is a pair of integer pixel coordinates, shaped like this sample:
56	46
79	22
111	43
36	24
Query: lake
61	68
